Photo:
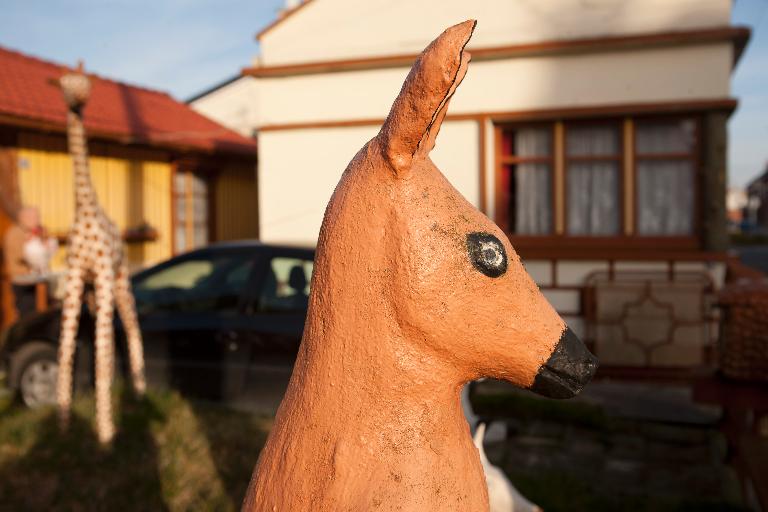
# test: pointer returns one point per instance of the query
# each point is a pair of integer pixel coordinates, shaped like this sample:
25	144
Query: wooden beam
559	178
482	164
629	176
726	105
736	35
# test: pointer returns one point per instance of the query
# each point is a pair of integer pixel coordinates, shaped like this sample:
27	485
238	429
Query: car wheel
38	370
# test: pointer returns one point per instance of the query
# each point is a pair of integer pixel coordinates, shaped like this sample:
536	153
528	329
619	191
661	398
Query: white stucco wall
641	76
299	169
235	105
342	29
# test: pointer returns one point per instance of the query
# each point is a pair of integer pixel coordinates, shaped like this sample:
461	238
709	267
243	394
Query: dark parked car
223	322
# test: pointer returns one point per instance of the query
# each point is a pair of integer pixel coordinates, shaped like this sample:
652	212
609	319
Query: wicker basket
744	333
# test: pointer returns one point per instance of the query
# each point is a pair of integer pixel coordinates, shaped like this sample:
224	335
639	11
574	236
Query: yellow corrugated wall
236	203
132	185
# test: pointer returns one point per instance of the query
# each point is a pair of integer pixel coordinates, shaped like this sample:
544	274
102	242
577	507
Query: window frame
618	158
627	238
502	199
188	172
696	162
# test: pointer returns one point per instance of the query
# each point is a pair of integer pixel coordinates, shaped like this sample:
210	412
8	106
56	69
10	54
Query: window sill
614	247
128	238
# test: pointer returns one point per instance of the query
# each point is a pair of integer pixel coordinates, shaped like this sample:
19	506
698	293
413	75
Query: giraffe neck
85	195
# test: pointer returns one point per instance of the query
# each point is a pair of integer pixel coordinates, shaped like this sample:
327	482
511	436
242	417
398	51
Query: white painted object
496	431
502	495
38	253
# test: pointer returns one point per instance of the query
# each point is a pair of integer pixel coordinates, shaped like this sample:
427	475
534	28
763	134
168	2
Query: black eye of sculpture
487	254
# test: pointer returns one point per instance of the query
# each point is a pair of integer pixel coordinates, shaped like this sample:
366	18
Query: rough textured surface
399	319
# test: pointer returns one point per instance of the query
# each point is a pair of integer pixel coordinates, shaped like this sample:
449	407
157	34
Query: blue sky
185	46
748	149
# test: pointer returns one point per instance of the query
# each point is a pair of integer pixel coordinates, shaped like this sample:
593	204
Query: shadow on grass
234	445
70	471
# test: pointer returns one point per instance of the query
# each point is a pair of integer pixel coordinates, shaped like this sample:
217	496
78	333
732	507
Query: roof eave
219	147
737	35
285	15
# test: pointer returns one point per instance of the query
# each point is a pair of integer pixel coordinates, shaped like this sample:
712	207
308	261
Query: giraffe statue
94	254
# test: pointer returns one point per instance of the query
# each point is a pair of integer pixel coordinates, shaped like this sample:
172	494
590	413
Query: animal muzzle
568	369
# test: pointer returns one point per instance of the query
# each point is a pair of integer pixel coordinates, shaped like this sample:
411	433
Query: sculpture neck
363	409
85	195
377	379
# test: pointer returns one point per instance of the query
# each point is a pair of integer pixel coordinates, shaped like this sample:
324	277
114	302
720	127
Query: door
277	306
9	205
192	315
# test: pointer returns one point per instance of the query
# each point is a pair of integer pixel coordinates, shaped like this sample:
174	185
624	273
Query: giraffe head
452	281
76	88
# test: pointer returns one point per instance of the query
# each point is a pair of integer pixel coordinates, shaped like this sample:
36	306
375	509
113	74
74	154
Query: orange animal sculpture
414	293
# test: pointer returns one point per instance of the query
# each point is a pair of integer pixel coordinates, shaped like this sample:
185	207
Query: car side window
205	284
285	287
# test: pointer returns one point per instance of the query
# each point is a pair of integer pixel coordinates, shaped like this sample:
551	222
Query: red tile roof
115	110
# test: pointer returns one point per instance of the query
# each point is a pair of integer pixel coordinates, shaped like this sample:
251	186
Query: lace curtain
665	185
532	182
665	197
593	180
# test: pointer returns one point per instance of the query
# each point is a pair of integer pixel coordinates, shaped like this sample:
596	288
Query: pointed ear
418	111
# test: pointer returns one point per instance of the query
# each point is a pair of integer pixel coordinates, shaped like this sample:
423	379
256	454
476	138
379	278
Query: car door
277	307
191	312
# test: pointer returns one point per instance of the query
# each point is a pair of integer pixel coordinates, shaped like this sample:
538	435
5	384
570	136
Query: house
735	204
757	202
593	132
170	178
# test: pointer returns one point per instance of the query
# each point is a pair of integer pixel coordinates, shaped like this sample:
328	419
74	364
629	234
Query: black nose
567	370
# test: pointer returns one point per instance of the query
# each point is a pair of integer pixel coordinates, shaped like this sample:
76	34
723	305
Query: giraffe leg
105	353
70	317
126	306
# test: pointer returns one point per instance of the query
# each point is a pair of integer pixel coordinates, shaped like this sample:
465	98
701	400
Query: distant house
594	133
757	202
171	178
735	205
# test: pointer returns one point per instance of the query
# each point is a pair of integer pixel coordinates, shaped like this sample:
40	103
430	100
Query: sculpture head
76	88
449	277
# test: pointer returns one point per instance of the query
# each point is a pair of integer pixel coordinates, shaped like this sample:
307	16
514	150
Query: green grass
169	454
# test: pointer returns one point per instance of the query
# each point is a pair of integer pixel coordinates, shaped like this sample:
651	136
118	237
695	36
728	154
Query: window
598	178
191	202
286	286
665	176
527	180
195	285
593	159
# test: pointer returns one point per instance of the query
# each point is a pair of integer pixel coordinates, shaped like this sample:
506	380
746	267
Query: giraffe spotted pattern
95	255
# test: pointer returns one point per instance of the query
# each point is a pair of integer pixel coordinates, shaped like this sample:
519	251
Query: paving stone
546	429
623	456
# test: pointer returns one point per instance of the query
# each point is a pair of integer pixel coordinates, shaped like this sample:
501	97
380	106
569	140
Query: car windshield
211	283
